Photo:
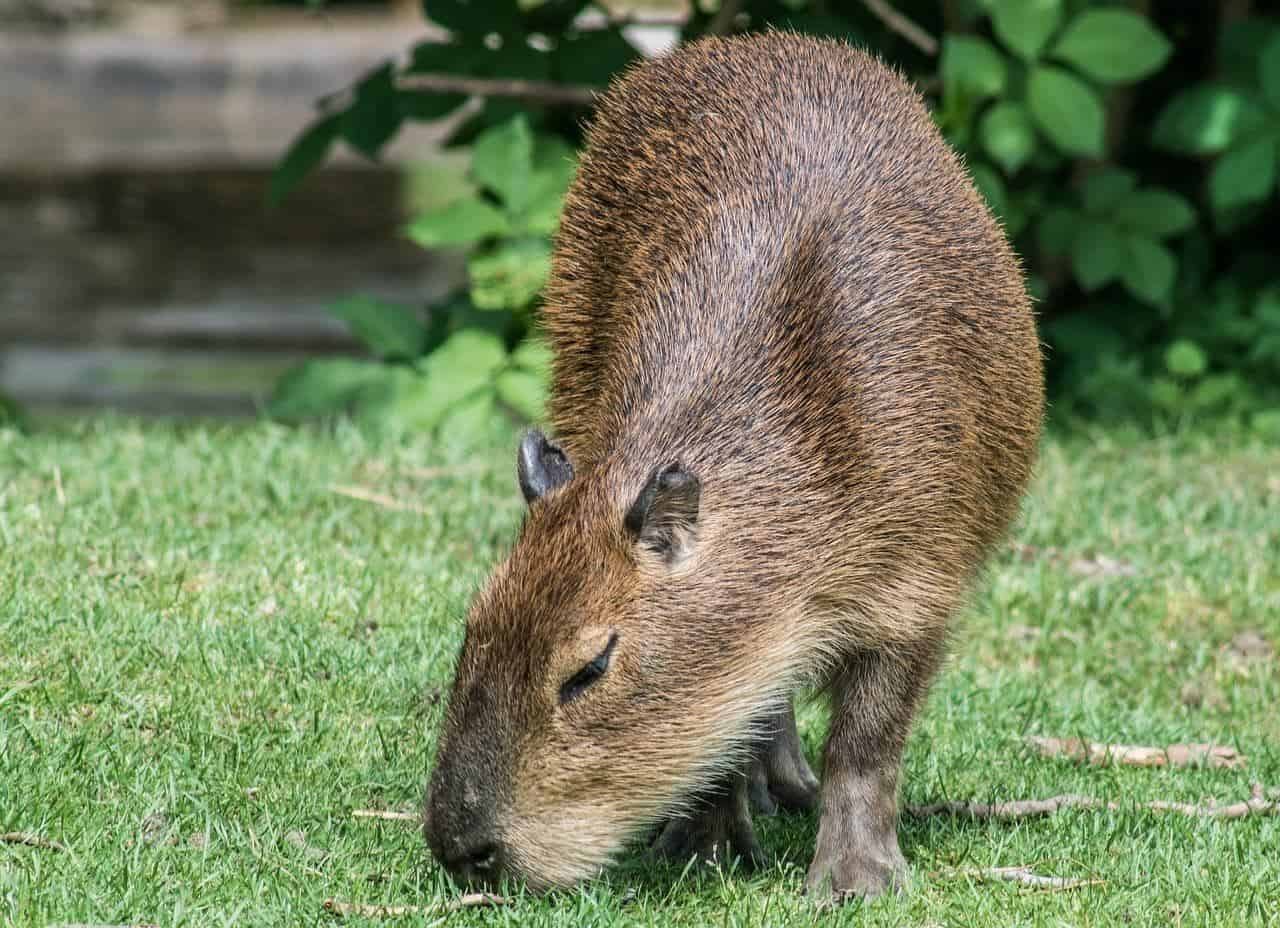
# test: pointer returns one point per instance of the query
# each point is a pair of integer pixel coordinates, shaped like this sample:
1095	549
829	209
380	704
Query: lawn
211	653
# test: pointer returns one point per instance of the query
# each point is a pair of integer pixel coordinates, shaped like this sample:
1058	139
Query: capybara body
796	399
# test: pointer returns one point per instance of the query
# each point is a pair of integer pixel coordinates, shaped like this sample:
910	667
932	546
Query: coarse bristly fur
796	400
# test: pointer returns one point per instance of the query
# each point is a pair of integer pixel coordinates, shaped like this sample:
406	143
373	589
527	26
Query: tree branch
547	93
910	30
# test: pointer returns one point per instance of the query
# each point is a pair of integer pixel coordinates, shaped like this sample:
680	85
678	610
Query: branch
547	93
386	815
723	22
30	840
1016	810
1026	877
1132	755
914	33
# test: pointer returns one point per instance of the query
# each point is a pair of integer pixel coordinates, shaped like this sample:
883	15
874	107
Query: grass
208	659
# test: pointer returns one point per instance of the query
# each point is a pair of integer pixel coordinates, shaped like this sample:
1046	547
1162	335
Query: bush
1132	156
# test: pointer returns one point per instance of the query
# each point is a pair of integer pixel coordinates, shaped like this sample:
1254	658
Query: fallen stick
378	499
1133	755
469	901
30	840
1258	803
386	815
1027	877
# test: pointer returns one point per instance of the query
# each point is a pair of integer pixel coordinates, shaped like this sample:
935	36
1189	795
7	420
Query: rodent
796	399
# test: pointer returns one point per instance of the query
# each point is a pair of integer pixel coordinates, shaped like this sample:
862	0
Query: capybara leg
875	697
716	830
780	776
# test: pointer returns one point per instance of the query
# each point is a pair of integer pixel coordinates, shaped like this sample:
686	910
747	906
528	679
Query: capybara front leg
875	698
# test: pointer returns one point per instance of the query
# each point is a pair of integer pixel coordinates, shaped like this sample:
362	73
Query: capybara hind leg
780	777
857	850
718	829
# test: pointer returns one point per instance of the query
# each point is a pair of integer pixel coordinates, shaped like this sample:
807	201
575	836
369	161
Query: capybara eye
576	685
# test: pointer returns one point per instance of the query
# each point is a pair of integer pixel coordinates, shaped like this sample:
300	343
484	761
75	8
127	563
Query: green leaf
1113	45
306	153
972	66
1154	213
1096	254
1067	110
463	222
475	17
991	187
1103	189
1269	71
1057	230
375	115
1184	358
592	58
1024	26
1008	136
1217	391
535	355
1266	422
1244	175
502	161
324	386
1149	270
1206	119
554	168
511	276
462	367
389	330
525	392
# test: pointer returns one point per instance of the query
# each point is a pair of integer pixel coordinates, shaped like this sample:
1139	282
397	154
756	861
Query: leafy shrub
476	355
1132	152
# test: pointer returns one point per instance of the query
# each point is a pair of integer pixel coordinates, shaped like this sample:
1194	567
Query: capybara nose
476	861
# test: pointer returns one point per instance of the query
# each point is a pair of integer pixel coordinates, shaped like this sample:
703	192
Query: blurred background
292	208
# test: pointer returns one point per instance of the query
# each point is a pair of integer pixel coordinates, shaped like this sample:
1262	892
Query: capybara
796	399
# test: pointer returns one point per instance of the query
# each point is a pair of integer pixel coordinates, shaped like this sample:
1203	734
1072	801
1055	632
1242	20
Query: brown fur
773	273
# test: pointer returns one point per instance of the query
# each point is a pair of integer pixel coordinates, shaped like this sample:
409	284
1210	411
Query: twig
903	26
1026	877
378	499
1173	755
723	22
386	815
1016	810
469	901
30	840
1010	811
57	485
548	93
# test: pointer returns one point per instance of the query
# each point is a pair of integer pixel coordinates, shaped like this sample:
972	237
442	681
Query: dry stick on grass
469	901
1016	810
378	499
903	26
1173	755
30	840
386	815
1027	877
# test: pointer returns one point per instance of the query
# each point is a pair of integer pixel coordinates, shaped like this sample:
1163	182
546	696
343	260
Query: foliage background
1132	151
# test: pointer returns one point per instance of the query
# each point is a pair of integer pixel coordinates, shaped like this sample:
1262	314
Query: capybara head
590	693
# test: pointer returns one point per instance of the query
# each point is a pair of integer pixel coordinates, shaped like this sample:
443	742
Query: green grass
208	659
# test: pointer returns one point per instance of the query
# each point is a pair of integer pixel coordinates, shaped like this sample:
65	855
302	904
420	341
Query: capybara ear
664	517
541	466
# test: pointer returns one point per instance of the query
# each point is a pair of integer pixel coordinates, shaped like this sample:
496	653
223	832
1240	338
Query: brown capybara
796	399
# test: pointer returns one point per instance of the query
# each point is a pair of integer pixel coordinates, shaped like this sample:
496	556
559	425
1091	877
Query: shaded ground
209	658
